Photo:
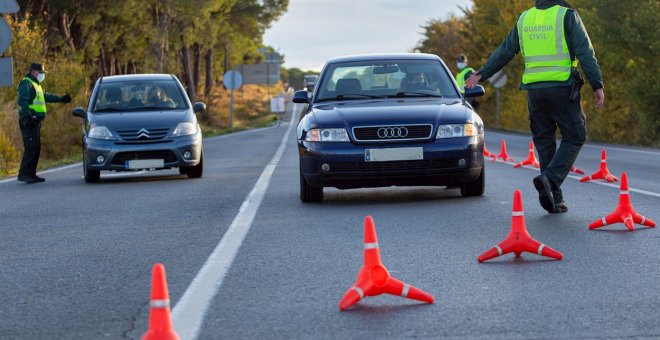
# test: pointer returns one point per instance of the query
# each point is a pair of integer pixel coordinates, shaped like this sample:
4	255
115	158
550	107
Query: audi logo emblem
393	132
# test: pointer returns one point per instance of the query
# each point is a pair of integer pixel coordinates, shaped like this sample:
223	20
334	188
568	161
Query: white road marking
623	149
607	184
44	172
190	311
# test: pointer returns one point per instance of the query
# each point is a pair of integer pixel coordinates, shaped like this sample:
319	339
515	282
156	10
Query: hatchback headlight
184	129
456	130
327	135
100	132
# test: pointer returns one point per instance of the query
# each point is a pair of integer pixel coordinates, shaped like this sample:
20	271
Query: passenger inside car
158	98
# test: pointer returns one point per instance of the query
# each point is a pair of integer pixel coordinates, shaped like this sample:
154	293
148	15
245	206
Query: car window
391	78
129	96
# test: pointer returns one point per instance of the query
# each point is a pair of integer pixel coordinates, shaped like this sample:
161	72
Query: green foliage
627	53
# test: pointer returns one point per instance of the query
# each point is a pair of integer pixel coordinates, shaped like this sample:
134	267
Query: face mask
41	77
460	65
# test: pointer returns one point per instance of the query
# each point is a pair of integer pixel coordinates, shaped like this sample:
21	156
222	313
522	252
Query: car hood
146	119
386	112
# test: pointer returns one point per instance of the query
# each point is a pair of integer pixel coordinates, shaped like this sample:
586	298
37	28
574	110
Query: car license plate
144	164
393	154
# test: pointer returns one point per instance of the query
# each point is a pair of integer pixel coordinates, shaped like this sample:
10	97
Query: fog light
462	162
325	167
100	159
187	155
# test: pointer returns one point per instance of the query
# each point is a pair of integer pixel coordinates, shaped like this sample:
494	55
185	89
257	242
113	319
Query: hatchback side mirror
198	107
79	112
301	97
477	91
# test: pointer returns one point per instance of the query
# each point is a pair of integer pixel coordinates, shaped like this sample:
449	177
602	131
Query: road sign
264	74
498	79
232	80
6	72
277	104
8	6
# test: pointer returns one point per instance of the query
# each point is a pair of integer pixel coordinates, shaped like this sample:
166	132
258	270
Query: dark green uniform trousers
32	145
549	109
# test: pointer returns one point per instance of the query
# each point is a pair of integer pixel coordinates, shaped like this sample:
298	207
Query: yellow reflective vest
39	103
543	45
460	77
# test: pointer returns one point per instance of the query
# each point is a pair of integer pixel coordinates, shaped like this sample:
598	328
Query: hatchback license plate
145	164
393	154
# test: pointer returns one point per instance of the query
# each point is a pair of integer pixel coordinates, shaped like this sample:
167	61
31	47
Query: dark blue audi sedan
389	120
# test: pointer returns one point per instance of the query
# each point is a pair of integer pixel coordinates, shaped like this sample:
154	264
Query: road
76	258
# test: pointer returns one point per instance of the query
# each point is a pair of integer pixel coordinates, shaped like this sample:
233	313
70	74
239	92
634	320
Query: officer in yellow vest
32	101
464	71
552	39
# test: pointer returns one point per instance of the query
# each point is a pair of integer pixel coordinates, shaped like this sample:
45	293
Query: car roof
384	56
144	76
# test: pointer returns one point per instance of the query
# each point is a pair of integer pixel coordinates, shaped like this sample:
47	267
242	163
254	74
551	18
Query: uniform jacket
26	95
579	46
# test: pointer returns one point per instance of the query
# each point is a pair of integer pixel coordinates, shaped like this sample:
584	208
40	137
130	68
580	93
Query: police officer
32	101
464	71
552	39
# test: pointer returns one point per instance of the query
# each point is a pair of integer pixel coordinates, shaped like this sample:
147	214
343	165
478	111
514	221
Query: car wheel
476	187
195	171
91	176
183	170
309	193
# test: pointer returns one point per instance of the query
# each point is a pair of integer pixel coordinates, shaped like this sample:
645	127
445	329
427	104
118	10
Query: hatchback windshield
128	96
385	79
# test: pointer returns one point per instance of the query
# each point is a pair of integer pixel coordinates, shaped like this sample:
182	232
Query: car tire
183	170
309	193
197	170
476	187
91	176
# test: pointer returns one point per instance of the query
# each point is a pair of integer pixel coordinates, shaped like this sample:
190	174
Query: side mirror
198	107
477	91
301	97
79	112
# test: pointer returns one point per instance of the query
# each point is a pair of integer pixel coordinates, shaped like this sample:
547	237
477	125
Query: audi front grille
386	133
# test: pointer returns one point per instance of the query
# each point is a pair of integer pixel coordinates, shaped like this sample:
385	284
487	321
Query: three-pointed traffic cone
624	212
576	170
160	323
503	154
602	173
531	158
519	240
374	279
486	152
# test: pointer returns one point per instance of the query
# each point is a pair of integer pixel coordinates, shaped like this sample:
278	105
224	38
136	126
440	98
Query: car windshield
385	79
134	96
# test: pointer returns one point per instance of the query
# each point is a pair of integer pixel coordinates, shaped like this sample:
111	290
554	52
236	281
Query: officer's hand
66	98
599	98
473	80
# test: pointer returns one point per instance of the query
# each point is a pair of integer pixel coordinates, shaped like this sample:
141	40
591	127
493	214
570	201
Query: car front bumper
117	154
346	166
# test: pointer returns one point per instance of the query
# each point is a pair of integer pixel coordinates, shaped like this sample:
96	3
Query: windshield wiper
152	108
416	94
348	96
109	109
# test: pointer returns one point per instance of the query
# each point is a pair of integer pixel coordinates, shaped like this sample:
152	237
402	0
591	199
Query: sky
313	31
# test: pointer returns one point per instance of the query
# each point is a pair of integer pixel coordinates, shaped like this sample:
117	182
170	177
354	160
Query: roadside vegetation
627	43
79	41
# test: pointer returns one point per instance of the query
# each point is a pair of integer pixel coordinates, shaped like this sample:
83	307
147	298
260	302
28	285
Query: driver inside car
158	98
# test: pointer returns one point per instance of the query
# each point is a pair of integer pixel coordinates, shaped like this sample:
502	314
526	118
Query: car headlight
184	129
327	135
456	130
100	132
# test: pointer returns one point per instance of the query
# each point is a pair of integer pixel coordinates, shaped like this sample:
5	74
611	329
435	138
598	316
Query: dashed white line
188	314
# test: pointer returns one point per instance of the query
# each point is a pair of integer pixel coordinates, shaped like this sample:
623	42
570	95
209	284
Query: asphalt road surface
76	258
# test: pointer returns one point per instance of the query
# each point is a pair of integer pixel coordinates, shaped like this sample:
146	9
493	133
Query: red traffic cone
486	152
503	155
602	173
160	323
519	240
531	158
576	170
624	212
373	278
